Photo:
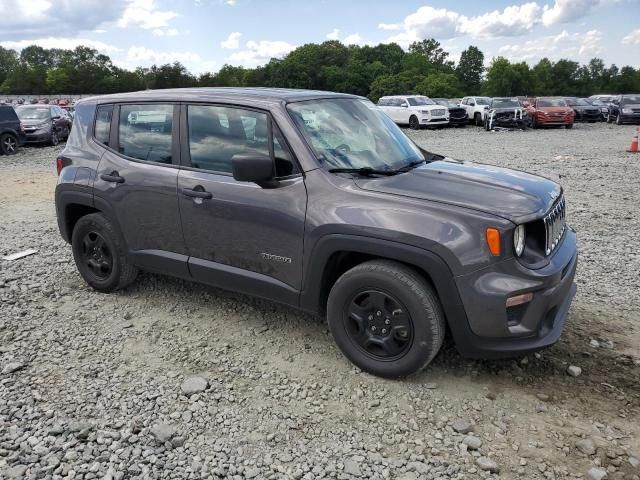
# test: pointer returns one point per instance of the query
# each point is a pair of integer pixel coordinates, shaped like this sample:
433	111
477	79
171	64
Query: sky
206	34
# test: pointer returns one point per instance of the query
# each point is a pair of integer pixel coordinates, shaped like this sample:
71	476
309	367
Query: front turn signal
493	241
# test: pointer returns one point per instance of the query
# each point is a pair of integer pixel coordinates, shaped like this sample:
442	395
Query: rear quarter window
102	129
81	121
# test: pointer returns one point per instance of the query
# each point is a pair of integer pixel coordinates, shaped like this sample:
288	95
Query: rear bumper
492	330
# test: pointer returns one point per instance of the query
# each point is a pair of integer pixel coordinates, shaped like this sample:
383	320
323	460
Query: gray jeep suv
319	201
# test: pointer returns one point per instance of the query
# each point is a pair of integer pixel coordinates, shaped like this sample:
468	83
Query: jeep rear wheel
100	255
386	318
414	124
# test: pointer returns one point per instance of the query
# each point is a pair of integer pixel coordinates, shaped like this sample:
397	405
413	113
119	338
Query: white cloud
57	42
260	52
42	18
427	22
165	32
512	21
565	11
231	2
334	34
145	14
633	38
232	42
144	55
389	26
577	46
353	39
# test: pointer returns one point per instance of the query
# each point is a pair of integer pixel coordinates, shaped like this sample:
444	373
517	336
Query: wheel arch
335	254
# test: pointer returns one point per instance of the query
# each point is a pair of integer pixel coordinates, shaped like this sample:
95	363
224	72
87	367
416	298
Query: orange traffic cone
634	142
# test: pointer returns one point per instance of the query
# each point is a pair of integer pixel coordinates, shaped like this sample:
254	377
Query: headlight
604	109
518	240
43	126
627	110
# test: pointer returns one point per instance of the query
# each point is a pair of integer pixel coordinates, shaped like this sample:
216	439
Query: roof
264	96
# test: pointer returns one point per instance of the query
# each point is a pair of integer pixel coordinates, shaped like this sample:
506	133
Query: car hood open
510	194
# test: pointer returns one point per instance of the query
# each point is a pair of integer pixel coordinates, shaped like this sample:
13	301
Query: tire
618	119
486	125
54	140
414	124
477	118
411	309
569	126
95	243
608	119
8	144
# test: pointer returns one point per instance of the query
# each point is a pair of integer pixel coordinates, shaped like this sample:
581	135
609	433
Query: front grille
504	116
555	225
635	110
437	113
592	112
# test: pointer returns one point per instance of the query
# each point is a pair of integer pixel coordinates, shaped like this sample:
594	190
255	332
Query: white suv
476	108
414	110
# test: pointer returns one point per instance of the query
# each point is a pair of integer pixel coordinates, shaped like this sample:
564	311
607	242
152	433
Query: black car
457	115
625	109
11	133
505	112
602	105
585	111
318	200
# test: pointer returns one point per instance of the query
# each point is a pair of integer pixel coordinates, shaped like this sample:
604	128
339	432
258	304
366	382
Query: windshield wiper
364	171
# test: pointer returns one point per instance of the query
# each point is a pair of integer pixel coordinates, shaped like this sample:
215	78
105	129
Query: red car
550	111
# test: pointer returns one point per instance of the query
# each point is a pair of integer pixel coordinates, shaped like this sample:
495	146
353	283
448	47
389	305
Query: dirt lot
97	390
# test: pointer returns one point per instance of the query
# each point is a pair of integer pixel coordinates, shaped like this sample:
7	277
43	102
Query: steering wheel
343	147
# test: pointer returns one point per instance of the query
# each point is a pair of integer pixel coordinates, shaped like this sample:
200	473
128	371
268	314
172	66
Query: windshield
32	113
353	133
597	103
630	99
505	103
552	102
581	102
416	101
483	101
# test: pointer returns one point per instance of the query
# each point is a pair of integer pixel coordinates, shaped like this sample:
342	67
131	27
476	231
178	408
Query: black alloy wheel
379	325
414	124
96	255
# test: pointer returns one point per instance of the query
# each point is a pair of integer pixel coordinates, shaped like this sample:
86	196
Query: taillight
59	164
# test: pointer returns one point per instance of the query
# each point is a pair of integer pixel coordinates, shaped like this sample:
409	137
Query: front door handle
197	192
113	177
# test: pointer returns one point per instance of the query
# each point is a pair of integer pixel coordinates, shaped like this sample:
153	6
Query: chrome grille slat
554	225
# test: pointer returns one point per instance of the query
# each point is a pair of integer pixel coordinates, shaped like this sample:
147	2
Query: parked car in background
506	112
625	109
583	110
476	108
457	115
602	106
605	98
414	110
44	123
11	133
550	111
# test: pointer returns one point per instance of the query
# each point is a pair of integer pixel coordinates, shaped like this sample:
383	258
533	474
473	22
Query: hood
553	109
507	109
510	194
585	107
29	122
428	107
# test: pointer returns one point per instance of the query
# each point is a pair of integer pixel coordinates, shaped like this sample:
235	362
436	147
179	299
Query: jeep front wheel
386	318
100	255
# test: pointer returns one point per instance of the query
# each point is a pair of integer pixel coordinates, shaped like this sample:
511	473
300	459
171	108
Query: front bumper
582	116
566	120
434	120
492	330
458	120
37	136
509	123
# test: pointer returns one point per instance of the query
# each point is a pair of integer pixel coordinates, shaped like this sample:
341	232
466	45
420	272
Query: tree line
373	71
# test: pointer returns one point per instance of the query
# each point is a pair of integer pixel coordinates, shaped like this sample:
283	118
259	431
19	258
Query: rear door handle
113	177
197	192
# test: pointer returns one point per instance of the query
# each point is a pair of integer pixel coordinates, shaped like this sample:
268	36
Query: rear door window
102	129
145	132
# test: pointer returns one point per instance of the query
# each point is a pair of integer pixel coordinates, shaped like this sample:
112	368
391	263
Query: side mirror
472	104
252	167
55	117
404	105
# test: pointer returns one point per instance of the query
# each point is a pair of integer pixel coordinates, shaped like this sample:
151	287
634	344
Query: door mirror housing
404	105
252	167
472	104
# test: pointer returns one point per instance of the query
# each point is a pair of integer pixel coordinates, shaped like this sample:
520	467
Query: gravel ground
170	379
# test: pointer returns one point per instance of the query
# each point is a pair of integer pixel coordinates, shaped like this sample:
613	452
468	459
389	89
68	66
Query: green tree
433	53
440	84
470	69
542	77
8	61
58	80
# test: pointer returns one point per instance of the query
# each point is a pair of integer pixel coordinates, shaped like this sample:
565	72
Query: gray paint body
433	217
